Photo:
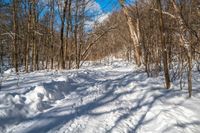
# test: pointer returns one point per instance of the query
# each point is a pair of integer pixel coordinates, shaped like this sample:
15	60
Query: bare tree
15	38
164	48
183	31
133	33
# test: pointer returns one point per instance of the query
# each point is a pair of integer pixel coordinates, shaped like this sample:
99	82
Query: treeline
161	35
49	34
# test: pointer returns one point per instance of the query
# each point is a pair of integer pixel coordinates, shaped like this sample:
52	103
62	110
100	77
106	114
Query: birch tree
133	33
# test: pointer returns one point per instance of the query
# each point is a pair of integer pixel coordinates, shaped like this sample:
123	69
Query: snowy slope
118	98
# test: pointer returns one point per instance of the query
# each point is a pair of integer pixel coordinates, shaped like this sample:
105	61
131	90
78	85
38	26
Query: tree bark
185	43
68	20
133	34
52	31
62	58
15	29
164	48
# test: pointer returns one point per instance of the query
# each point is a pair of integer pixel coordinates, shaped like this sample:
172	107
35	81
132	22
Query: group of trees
52	34
161	35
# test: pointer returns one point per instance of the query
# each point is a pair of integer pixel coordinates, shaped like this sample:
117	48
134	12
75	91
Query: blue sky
108	5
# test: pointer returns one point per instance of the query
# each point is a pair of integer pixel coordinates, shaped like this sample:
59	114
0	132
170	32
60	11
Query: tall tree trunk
62	50
75	34
28	37
71	31
34	29
185	43
15	29
68	19
133	33
164	48
52	31
81	32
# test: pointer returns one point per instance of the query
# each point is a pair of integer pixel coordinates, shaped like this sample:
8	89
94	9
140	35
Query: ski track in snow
116	99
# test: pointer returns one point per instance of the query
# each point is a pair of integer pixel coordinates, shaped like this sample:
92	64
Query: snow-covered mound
97	99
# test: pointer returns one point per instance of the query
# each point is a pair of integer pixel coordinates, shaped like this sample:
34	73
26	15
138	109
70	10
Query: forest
158	37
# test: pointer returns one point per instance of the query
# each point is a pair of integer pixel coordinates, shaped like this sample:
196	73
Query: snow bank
9	71
34	100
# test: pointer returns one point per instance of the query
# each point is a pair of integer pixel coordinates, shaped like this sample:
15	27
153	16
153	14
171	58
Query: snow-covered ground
117	98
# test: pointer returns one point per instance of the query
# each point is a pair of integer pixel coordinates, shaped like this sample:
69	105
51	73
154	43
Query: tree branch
84	54
166	13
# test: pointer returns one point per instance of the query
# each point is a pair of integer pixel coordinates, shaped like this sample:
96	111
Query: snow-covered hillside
116	98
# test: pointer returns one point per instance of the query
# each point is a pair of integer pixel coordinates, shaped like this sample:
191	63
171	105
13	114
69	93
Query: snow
114	98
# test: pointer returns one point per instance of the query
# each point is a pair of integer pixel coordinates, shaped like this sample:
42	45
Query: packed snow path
116	99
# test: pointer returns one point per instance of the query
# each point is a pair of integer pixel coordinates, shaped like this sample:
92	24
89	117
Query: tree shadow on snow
55	119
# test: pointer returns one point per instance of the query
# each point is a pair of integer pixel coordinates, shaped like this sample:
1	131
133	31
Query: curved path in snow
115	99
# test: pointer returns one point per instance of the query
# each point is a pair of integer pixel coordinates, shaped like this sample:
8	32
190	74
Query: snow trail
117	98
